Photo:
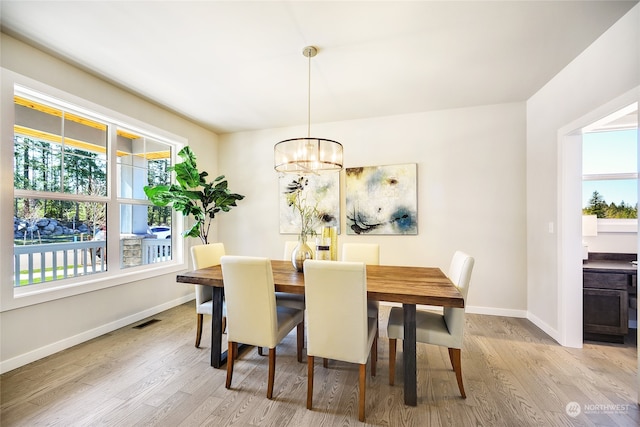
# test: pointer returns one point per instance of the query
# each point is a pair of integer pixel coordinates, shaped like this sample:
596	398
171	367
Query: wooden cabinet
606	288
606	314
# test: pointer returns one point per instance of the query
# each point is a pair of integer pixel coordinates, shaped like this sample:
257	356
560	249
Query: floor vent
145	324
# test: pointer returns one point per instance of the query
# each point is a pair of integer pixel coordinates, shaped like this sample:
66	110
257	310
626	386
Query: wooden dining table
406	285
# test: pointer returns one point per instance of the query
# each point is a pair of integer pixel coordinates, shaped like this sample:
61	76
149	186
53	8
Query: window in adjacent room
610	170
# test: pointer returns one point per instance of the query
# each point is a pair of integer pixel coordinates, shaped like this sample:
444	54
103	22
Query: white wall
606	70
32	332
471	192
621	243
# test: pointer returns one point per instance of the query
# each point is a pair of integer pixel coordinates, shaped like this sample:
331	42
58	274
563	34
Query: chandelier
308	155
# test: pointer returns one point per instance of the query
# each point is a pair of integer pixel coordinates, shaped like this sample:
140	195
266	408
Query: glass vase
300	253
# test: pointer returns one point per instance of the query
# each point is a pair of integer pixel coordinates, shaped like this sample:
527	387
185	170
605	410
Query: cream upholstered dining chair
444	329
206	256
369	253
252	314
338	327
287	299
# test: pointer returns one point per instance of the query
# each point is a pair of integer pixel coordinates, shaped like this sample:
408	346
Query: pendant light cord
309	99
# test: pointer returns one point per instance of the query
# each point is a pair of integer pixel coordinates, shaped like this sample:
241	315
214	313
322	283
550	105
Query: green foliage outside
38	166
51	168
599	207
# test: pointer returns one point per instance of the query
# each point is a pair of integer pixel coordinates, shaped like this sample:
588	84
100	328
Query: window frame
10	297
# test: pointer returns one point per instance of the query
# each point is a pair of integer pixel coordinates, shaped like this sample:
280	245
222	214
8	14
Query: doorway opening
610	227
570	250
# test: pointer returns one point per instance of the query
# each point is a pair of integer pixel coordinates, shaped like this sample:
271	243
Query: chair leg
300	341
363	383
231	352
199	318
374	356
377	334
198	328
325	362
454	356
260	351
272	372
392	361
309	382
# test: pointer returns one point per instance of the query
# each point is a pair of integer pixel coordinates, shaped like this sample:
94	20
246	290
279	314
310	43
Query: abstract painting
321	190
382	199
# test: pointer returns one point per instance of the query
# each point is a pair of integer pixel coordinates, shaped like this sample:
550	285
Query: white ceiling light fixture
308	155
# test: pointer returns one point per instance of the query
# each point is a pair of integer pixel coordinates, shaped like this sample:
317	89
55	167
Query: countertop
605	266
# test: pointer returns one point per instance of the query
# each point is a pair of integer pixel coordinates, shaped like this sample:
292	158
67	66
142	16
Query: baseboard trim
494	311
32	356
505	312
552	332
490	311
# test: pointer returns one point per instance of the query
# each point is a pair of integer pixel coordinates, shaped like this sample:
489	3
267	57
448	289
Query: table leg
217	358
409	355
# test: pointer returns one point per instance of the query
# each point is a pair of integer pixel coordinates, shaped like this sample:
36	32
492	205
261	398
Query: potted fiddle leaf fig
193	195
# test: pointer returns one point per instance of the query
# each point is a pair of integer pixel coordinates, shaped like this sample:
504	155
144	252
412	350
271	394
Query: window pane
146	230
158	162
141	161
50	143
85	172
609	152
37	164
133	177
616	198
54	240
141	243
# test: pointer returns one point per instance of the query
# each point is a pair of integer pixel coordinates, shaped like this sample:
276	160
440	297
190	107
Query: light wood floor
514	376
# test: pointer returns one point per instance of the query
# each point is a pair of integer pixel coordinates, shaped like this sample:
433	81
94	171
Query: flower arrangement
297	199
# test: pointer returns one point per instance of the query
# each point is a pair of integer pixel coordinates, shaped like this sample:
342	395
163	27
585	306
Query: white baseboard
552	332
493	311
32	356
505	312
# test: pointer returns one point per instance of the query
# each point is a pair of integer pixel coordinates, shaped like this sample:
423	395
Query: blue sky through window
609	153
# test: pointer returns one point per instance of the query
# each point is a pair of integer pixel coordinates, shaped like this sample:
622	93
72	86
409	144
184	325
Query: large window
79	204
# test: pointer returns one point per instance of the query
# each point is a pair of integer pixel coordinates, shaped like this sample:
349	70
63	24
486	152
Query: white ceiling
238	65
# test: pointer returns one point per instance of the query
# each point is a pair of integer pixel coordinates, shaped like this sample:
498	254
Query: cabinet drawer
605	280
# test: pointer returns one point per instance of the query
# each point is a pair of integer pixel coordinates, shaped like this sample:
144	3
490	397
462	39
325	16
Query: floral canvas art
382	199
319	191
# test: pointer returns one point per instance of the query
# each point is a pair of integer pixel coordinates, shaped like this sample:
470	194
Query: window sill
617	225
23	297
